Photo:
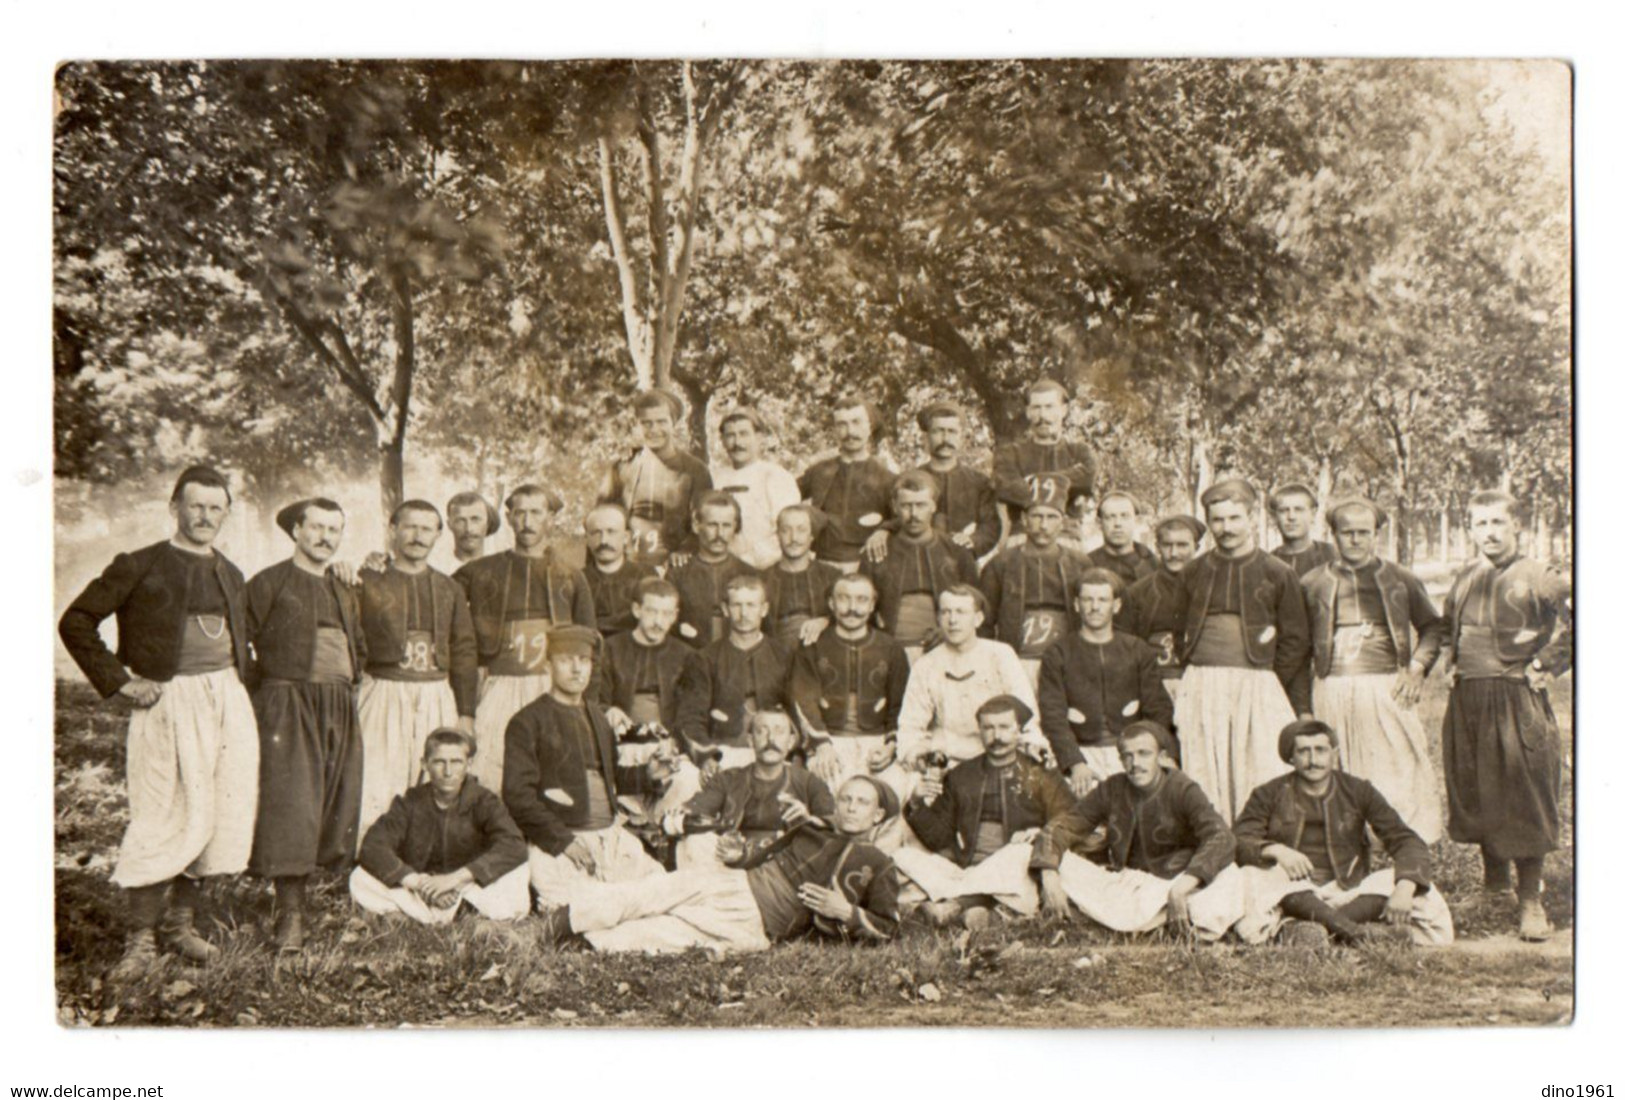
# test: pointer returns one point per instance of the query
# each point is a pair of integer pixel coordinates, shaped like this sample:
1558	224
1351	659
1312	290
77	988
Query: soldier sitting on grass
757	801
1303	844
1168	854
979	822
445	842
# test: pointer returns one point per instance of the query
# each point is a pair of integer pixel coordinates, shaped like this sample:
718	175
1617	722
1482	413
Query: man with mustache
763	489
1245	643
422	660
979	822
798	585
613	578
1303	843
192	751
920	564
1167	856
304	625
659	482
853	488
1044	451
1154	607
1511	622
702	580
848	686
756	801
1118	514
516	597
1376	635
1032	586
472	520
1092	683
967	511
1292	509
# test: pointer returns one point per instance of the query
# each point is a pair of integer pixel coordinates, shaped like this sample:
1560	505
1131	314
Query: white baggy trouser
192	768
508	898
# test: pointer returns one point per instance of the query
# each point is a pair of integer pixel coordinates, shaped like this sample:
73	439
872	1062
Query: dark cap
889	803
572	638
1040	491
1006	704
1303	727
1190	523
1142	726
290	516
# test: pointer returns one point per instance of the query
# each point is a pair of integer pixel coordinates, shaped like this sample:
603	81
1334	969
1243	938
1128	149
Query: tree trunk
1324	482
392	444
1443	553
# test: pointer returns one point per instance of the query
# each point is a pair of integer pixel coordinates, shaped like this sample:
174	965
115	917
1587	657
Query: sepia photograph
776	543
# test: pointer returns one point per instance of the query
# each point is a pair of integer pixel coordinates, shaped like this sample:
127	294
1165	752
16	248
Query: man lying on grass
1167	855
810	878
979	822
444	842
1303	842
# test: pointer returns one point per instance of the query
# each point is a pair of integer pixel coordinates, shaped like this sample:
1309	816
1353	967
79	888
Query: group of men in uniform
845	695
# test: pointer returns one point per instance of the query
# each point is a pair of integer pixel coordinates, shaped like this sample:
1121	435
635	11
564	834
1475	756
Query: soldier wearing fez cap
515	597
1045	450
658	483
1292	509
1363	616
1246	649
305	629
1031	587
1154	606
853	488
561	779
192	753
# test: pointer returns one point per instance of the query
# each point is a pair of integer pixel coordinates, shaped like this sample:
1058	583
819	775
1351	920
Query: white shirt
762	489
944	690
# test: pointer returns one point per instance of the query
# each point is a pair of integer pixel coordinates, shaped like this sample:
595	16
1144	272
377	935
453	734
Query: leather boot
178	930
141	943
290	915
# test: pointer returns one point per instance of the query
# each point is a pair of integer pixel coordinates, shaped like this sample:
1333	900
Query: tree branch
631	299
348	371
700	129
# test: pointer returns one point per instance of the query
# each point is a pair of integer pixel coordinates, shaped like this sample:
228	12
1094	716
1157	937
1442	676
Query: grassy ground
364	972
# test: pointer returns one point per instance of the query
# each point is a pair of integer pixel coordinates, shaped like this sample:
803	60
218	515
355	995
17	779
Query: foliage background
404	278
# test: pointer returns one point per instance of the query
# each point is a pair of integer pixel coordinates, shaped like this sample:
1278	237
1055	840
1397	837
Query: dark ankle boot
146	908
290	915
178	929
